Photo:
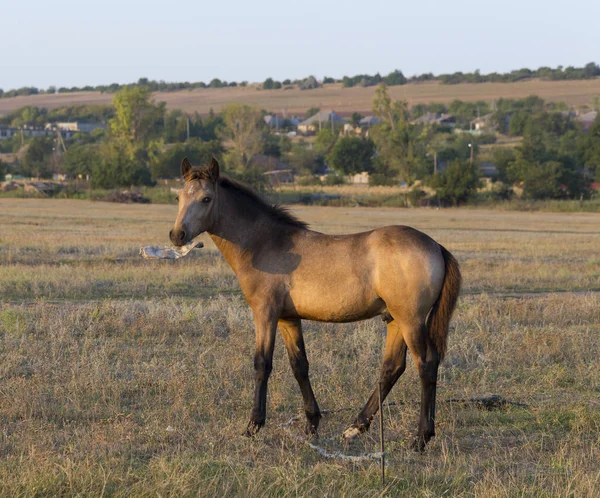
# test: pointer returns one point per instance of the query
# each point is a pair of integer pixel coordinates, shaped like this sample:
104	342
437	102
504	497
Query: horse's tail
439	317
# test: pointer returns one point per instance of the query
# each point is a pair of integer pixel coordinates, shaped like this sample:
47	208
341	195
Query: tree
388	112
271	145
306	161
268	84
130	145
243	127
591	147
167	164
117	170
311	112
456	183
355	119
398	142
395	78
352	155
325	140
135	119
216	83
309	83
503	157
37	159
81	159
542	180
285	144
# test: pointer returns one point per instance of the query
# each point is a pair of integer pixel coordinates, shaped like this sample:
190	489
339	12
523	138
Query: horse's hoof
353	431
253	428
311	431
418	443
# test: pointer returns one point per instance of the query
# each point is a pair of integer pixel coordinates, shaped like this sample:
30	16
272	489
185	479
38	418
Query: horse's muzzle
178	237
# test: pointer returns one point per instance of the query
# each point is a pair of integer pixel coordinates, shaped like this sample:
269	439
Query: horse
289	273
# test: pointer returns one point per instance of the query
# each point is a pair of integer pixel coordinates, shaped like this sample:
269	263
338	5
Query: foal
288	273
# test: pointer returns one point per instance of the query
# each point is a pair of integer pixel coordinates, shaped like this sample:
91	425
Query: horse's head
197	200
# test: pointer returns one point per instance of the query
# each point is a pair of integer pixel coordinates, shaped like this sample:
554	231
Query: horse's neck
238	236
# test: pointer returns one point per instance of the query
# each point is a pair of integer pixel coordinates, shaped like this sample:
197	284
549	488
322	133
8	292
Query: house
481	123
488	170
587	119
7	132
77	126
369	121
273	121
359	178
322	118
432	118
36	131
294	121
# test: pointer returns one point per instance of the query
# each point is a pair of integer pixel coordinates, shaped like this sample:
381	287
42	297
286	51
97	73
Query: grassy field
332	96
121	376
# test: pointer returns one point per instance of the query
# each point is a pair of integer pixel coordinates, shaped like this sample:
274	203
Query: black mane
248	194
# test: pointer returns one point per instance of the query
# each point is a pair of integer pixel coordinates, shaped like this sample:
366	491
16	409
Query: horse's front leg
265	323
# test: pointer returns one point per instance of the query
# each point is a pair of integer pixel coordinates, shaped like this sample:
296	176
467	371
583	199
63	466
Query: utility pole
60	140
434	162
471	147
188	128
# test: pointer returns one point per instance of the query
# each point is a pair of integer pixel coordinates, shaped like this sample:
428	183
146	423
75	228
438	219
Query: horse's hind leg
427	361
394	364
291	330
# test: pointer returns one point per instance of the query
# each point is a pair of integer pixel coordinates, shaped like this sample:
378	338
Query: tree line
394	78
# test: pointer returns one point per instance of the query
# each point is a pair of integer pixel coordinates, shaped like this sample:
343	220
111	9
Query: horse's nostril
182	235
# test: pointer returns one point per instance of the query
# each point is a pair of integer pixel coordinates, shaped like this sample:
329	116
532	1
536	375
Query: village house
7	132
67	130
483	123
432	118
359	178
77	126
587	119
319	120
369	121
273	121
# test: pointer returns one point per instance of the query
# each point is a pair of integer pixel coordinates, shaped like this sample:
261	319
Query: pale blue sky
74	43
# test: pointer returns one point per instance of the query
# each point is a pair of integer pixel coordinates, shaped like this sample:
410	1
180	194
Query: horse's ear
213	170
185	167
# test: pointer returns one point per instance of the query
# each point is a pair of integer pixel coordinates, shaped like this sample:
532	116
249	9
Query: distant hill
332	96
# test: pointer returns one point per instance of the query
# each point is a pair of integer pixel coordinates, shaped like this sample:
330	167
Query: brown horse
288	273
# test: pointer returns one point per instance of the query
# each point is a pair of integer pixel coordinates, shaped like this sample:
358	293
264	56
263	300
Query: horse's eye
206	200
177	198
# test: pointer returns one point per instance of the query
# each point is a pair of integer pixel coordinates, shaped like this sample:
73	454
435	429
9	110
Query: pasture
331	96
121	376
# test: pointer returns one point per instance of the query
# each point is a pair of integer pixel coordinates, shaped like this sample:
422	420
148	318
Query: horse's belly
334	304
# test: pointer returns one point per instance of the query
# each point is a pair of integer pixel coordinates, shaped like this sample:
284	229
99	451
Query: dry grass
101	351
334	96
